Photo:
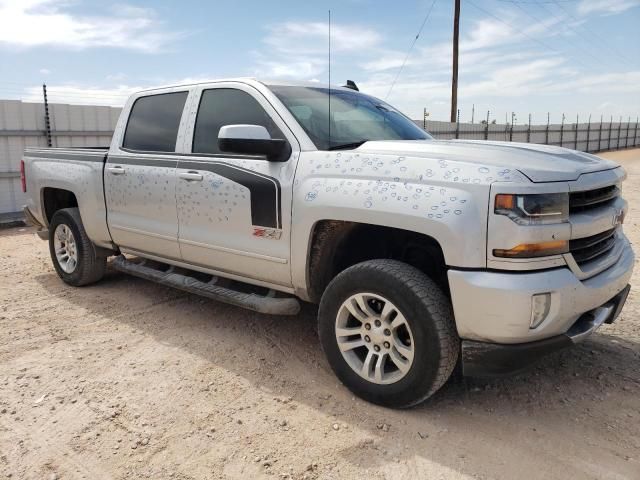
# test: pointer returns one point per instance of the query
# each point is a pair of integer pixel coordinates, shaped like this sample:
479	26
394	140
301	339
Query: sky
572	57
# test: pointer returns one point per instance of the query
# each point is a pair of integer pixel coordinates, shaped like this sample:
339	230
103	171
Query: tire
89	266
428	331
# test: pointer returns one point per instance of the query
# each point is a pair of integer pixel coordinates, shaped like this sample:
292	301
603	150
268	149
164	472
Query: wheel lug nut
387	344
367	339
367	326
387	332
376	348
378	323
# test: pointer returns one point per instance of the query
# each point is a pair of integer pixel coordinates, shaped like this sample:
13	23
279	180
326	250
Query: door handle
191	176
117	170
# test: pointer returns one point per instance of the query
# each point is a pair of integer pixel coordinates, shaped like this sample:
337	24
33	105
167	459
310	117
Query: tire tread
92	264
437	306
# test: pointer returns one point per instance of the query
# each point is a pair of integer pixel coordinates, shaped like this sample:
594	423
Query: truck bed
78	170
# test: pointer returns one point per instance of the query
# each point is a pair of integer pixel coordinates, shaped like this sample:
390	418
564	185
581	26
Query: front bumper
495	307
483	359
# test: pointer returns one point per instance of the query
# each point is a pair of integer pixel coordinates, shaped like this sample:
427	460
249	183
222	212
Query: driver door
234	211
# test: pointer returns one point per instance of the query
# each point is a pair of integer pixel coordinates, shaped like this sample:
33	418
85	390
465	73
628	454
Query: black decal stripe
264	190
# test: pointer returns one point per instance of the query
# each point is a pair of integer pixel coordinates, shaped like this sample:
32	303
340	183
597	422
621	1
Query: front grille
590	248
590	199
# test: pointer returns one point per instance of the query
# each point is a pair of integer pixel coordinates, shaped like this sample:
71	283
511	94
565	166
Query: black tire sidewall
417	383
64	217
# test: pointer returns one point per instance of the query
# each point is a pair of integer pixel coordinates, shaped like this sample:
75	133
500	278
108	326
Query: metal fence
23	125
586	137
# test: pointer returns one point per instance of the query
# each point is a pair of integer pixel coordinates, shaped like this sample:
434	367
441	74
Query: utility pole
454	79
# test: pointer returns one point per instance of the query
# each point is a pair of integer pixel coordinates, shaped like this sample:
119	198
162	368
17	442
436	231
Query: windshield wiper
348	146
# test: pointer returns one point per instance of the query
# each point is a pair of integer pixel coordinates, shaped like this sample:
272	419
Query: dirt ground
128	379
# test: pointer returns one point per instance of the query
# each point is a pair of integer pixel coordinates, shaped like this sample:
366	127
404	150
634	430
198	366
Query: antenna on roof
329	118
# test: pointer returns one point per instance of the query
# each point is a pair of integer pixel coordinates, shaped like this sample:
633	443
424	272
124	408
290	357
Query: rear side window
227	106
154	121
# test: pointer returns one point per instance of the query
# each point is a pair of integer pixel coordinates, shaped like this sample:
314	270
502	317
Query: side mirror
253	140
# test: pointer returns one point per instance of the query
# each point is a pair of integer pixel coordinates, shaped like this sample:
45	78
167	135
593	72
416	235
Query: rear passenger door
234	211
140	177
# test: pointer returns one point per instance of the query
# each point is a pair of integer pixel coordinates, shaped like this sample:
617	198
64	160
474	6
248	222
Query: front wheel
388	332
75	257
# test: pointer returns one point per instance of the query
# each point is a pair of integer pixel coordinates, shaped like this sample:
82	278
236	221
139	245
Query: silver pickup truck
422	254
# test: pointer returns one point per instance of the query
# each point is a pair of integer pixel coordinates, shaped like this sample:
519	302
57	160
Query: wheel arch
335	245
53	199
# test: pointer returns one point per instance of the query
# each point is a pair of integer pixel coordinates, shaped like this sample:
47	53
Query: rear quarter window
153	122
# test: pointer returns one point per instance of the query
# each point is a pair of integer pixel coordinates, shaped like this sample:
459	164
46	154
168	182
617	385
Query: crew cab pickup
421	253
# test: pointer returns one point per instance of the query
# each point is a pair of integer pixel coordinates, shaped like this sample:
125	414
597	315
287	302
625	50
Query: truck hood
540	163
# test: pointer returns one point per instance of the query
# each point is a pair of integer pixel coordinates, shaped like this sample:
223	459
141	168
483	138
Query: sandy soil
128	379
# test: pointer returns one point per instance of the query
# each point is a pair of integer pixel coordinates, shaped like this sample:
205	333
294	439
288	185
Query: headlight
535	209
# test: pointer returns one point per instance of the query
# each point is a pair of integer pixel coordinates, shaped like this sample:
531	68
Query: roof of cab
248	80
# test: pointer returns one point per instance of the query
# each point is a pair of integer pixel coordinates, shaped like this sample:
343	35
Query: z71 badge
272	233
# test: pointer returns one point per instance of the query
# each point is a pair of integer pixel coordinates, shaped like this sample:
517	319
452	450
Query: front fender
444	199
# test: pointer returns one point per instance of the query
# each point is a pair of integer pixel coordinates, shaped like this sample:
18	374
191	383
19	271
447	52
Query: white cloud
84	94
298	69
300	50
44	71
606	6
116	77
313	38
486	33
31	23
80	94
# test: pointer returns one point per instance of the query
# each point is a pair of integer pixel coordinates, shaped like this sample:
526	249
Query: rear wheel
75	257
388	332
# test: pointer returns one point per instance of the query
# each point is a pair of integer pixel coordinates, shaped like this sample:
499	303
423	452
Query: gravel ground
128	379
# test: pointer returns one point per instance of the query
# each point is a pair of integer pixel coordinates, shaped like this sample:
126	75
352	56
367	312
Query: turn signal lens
529	250
505	202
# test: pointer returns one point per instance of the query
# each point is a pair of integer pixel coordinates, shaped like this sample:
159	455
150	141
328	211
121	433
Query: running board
268	303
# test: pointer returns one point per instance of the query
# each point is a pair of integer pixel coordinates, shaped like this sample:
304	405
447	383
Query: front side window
352	118
154	121
227	106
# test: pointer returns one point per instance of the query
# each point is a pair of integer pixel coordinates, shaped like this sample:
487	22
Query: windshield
355	117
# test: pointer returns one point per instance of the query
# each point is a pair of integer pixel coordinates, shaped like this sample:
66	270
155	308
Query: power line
541	22
613	49
521	32
411	48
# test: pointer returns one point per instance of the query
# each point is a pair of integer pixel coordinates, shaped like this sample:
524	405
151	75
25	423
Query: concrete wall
22	125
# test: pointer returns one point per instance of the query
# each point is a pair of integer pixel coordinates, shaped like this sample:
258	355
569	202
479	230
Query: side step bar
258	303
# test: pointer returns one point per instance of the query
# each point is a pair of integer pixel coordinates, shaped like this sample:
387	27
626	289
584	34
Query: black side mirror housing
253	140
275	149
